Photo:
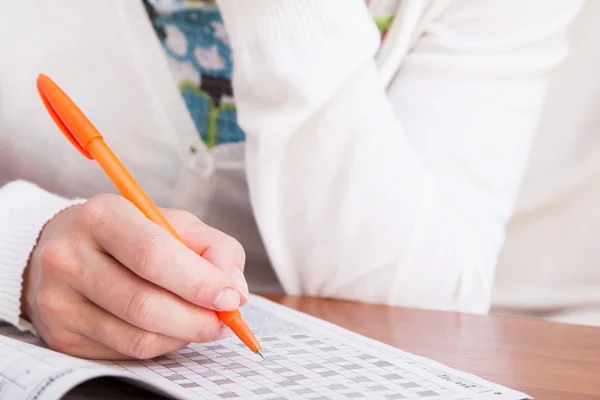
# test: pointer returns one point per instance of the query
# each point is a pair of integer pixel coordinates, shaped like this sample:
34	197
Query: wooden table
548	361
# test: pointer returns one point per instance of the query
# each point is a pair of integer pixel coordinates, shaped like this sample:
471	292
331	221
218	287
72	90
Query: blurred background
554	237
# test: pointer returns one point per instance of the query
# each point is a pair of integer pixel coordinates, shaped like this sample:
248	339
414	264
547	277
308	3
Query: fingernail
227	300
224	333
240	282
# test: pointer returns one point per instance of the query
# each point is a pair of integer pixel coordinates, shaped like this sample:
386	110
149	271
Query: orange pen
86	138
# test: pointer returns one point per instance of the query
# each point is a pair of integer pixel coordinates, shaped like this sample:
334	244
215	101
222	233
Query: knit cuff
262	21
24	211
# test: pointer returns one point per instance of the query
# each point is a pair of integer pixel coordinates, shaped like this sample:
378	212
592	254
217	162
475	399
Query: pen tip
261	355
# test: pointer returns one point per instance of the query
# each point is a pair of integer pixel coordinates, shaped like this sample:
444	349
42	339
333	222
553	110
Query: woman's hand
105	282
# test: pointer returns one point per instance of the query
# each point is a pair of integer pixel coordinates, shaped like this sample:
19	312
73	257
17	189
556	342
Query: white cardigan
379	175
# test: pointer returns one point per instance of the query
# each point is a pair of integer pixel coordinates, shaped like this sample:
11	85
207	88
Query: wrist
24	211
28	273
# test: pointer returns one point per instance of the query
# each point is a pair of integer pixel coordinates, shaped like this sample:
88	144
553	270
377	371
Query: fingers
88	331
108	283
115	339
142	304
156	256
217	247
60	320
77	345
214	245
126	340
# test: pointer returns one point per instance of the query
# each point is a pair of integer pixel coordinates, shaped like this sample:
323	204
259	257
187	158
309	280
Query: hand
105	282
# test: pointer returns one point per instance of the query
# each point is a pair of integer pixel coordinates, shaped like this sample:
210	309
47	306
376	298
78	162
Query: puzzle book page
31	372
307	358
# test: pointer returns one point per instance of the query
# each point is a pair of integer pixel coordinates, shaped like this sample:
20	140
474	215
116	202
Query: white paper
307	358
29	372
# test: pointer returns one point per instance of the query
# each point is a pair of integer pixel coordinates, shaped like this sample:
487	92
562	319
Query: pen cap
67	116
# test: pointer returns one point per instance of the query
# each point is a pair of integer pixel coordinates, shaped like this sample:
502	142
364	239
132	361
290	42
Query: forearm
397	195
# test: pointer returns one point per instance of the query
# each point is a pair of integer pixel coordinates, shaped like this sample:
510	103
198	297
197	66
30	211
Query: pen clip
67	116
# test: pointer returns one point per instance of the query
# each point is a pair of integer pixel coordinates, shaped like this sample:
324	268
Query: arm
397	196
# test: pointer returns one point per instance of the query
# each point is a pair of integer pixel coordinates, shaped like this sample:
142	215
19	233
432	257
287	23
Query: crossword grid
297	366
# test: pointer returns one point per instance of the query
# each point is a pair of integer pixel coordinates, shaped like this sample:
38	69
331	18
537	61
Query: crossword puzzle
305	365
306	359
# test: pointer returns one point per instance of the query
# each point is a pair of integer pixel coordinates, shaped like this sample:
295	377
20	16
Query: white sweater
375	174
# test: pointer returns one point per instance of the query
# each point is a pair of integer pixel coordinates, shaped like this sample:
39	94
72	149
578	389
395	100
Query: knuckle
54	253
95	212
236	248
143	345
232	244
198	290
140	304
57	257
57	340
184	222
148	253
50	303
227	244
178	216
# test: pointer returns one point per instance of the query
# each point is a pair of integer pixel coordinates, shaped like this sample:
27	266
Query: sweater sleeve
398	194
24	210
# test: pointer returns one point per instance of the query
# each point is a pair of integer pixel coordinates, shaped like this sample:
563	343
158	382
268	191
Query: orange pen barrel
125	183
84	136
